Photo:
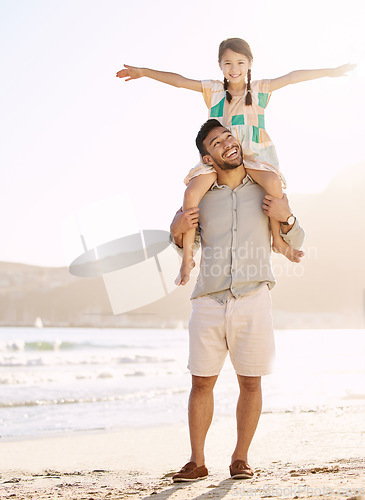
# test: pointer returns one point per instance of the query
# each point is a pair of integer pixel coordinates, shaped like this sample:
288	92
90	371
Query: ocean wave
58	345
12	345
354	396
296	409
163	396
142	359
17	360
40	377
24	379
135	374
143	396
43	345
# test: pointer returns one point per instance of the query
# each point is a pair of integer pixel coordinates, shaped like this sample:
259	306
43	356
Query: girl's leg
194	192
272	185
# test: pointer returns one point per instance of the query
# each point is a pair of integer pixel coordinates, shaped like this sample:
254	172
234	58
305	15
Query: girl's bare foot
184	274
279	246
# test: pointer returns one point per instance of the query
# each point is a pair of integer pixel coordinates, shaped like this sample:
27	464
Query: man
231	305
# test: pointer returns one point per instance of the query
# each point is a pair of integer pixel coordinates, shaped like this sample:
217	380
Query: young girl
239	105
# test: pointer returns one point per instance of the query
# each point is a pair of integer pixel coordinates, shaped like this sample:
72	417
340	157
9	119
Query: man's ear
207	159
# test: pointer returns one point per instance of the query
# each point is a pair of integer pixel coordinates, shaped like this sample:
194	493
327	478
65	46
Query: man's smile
232	153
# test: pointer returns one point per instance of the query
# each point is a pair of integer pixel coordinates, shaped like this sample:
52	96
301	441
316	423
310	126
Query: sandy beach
295	455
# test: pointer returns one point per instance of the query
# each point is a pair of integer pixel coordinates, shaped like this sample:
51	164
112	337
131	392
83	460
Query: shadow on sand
219	490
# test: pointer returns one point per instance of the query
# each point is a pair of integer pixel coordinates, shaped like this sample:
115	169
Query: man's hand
182	222
277	208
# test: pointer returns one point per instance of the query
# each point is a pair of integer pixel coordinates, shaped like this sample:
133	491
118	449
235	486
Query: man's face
224	150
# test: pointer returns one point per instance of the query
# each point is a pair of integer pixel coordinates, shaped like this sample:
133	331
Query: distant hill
325	291
333	282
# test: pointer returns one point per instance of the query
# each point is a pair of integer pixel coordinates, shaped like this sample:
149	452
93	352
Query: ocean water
70	379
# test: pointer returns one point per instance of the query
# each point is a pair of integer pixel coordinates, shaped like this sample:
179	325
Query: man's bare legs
201	407
248	413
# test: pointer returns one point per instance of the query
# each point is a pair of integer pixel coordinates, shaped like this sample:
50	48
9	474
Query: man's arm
181	223
279	209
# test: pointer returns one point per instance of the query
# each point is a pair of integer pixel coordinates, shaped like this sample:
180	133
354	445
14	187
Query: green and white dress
247	123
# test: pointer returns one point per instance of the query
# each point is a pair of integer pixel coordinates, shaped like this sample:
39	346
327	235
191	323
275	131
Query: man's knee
249	384
203	384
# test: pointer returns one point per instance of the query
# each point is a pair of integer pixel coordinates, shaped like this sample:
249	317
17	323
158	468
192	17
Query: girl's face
234	66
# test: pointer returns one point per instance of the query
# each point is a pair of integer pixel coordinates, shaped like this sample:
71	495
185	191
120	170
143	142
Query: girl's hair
240	47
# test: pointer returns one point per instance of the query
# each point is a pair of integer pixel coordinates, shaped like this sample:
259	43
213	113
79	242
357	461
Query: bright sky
76	140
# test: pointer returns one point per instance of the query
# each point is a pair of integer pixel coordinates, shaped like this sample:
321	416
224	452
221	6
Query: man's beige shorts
243	327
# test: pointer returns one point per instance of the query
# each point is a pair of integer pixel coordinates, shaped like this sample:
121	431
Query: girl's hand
342	70
130	73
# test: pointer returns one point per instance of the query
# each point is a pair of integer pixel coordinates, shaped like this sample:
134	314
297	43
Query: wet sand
316	455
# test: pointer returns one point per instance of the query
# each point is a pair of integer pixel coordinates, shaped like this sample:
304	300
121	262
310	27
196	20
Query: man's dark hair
203	132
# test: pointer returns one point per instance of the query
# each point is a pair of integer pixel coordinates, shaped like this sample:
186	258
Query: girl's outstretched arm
131	73
304	75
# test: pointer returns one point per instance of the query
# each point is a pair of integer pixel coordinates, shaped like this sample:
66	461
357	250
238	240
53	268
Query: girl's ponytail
248	95
228	95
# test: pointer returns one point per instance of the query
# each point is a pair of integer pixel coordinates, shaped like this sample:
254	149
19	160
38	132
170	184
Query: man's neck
231	178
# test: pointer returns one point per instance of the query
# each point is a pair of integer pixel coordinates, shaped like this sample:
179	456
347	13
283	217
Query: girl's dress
247	123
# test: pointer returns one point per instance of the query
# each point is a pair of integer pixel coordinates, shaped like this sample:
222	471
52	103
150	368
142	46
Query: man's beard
223	165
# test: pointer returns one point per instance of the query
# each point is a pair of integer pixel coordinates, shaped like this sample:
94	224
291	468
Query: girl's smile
234	67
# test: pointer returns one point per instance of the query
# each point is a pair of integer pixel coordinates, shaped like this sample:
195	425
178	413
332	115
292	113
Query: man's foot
240	470
184	274
190	472
279	246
